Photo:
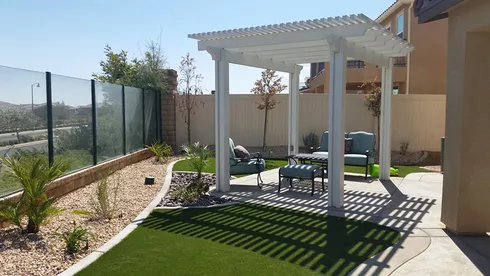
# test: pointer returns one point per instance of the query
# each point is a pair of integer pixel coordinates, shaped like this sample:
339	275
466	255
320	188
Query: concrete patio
412	205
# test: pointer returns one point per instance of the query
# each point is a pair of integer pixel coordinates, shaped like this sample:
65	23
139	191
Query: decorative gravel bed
44	253
181	179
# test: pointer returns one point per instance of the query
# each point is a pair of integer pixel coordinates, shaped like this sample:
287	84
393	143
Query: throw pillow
348	145
241	152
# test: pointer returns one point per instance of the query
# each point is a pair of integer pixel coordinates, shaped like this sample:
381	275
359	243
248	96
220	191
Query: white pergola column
385	122
336	123
293	112
221	120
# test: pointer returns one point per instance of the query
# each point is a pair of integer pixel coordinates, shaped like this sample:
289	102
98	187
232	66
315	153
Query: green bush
191	193
161	150
311	140
198	156
34	175
76	239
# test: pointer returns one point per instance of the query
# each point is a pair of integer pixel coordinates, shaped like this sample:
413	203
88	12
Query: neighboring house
422	72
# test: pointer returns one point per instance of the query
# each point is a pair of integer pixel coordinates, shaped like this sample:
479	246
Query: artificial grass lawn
270	164
244	239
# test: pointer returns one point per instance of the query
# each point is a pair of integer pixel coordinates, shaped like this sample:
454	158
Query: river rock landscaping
44	253
181	180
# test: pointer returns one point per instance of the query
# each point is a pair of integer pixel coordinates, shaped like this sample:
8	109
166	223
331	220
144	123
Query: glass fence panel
134	118
23	122
150	109
109	119
72	121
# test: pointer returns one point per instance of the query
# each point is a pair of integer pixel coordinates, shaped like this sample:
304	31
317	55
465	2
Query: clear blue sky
67	37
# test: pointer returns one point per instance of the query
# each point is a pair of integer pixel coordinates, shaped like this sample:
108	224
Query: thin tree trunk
379	134
188	115
188	126
18	136
265	129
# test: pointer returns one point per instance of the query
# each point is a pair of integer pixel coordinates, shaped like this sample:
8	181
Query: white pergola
282	47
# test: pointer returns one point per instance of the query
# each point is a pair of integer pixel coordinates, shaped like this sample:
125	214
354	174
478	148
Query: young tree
372	100
147	72
269	85
189	86
17	120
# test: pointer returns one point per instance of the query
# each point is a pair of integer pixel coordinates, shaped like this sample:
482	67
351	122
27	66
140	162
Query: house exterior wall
466	186
428	63
424	72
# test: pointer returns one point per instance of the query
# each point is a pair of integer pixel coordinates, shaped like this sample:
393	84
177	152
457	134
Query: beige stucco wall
428	63
418	119
465	205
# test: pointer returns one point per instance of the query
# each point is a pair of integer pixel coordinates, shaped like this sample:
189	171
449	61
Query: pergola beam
286	37
255	61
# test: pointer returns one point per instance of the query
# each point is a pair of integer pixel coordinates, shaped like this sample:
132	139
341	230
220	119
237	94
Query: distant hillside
5	105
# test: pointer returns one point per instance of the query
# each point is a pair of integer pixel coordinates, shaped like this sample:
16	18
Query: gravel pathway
43	254
181	179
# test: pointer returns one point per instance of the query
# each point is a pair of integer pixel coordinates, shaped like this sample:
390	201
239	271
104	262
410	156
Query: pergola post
336	126
385	122
293	111
221	120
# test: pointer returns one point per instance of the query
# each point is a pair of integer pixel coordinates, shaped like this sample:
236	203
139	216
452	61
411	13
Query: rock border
92	257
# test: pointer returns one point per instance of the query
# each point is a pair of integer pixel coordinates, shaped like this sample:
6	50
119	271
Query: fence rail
84	122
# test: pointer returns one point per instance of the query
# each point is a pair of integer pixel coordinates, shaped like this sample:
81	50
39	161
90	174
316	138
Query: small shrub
404	148
34	174
191	193
311	140
197	155
103	204
161	150
76	239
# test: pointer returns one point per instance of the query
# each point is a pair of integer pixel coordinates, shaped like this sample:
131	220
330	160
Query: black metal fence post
158	118
94	122
124	119
49	111
143	108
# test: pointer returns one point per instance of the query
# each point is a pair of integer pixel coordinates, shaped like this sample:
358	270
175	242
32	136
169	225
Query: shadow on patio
380	202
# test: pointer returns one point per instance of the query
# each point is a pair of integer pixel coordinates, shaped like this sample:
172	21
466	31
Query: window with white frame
400	25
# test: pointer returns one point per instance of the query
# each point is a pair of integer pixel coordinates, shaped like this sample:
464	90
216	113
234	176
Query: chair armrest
369	153
256	155
234	161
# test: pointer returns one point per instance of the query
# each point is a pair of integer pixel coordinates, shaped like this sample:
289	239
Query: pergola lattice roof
308	41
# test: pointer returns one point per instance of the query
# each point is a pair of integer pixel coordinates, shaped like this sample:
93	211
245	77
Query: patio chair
254	164
361	153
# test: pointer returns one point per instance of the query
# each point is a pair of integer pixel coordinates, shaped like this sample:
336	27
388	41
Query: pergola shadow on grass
244	239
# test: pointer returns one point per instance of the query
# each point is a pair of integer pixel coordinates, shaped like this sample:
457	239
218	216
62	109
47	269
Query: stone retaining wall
79	179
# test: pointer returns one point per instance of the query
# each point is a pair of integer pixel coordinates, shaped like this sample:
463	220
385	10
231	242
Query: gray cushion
355	159
321	152
252	166
348	145
362	141
241	152
299	170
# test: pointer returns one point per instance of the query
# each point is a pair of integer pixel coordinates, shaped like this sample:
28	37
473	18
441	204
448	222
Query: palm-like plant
34	174
197	155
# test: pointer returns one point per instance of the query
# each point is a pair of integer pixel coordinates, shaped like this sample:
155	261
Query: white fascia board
286	37
255	61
